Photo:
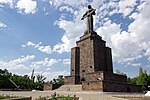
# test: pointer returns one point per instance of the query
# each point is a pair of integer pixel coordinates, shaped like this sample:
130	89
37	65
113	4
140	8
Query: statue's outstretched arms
84	16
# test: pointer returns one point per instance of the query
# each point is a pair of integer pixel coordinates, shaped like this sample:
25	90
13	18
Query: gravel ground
90	95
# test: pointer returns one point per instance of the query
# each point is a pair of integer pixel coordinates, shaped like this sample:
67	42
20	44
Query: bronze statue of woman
88	14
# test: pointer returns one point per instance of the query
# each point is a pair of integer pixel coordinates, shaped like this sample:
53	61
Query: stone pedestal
91	66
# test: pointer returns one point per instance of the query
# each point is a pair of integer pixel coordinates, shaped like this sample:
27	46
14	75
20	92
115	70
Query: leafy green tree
7	80
54	81
60	79
2	72
142	79
39	84
134	80
40	78
148	80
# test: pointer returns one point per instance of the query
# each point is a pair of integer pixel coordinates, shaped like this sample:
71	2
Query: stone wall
75	63
92	85
48	87
99	53
110	86
109	60
101	75
70	80
115	77
94	55
86	55
95	76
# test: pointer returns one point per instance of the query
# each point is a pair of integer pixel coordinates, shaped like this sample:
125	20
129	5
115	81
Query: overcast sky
38	34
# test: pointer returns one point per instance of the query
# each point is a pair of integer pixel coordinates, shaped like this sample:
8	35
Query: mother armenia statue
88	14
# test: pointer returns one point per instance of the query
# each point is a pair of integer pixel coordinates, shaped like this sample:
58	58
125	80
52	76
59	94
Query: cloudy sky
38	34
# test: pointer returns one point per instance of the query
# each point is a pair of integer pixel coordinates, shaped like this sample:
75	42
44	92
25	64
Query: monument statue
88	14
92	66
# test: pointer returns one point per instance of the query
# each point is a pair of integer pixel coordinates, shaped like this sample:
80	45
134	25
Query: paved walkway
82	95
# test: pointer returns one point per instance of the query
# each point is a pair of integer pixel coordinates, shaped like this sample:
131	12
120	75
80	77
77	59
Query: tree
54	81
40	78
9	81
39	84
132	80
60	79
148	80
4	79
142	79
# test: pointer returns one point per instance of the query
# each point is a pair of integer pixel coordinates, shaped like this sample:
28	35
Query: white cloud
66	8
27	6
50	75
56	3
45	49
9	2
108	30
30	44
47	62
73	3
18	65
73	29
63	47
23	46
126	6
136	65
139	29
23	59
25	64
113	12
142	5
2	25
134	15
66	61
122	44
146	47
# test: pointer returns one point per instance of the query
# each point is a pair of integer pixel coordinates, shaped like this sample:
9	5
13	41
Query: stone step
73	88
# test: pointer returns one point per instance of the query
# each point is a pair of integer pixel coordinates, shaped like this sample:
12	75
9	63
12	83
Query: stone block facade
110	86
48	86
70	80
91	66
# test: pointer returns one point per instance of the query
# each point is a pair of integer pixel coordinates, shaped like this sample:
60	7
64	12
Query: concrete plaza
83	95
